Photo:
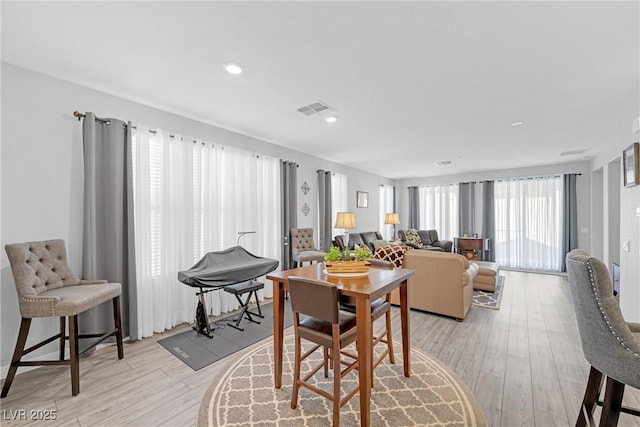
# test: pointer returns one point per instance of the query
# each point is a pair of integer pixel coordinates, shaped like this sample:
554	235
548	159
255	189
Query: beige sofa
443	282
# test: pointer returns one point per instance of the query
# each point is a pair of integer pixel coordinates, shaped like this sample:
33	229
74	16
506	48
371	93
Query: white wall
583	189
42	173
629	220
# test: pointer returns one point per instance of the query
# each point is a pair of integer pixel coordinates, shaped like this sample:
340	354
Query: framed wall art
631	168
362	199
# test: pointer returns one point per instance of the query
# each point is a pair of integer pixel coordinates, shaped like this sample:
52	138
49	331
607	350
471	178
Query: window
438	209
339	199
528	215
192	197
387	205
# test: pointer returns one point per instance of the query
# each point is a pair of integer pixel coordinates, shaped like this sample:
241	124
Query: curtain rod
79	115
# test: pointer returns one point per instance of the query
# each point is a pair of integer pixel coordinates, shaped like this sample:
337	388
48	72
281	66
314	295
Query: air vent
315	108
573	152
443	163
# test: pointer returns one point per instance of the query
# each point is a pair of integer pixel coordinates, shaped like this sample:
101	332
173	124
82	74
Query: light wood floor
523	362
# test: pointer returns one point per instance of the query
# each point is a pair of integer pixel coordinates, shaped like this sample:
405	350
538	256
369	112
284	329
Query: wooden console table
474	248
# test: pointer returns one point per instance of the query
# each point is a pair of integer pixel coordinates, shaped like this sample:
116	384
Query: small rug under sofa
490	299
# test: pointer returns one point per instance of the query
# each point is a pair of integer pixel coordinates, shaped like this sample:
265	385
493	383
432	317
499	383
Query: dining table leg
365	357
278	331
404	322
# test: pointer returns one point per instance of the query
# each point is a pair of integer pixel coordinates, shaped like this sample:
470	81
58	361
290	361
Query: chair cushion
319	331
395	254
308	256
70	300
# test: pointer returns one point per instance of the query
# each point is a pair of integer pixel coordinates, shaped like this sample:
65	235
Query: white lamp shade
391	218
346	220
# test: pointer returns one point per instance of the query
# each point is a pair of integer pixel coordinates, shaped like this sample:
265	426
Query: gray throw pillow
381	243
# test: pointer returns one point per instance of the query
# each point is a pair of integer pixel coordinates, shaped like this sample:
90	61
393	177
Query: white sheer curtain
386	206
438	209
528	218
192	197
339	200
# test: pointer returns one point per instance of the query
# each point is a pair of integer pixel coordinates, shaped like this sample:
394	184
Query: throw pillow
412	236
394	254
381	243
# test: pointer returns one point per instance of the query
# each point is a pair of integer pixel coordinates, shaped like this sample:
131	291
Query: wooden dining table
364	289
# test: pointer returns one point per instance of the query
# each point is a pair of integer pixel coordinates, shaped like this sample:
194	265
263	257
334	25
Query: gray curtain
414	212
108	239
569	217
489	218
289	190
466	208
324	210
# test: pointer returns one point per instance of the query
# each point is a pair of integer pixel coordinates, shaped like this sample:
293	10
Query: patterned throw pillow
391	253
412	236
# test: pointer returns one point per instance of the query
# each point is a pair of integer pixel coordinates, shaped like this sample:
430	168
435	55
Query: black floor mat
198	351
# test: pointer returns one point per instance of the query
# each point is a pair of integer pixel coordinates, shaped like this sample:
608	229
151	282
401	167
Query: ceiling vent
316	108
573	152
443	163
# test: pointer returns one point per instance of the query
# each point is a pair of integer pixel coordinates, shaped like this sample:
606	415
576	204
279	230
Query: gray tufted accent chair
610	345
47	287
303	247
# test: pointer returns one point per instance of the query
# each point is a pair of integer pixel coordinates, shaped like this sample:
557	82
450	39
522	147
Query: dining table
363	289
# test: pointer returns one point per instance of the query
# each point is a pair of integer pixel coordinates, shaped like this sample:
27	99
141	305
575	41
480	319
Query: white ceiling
413	82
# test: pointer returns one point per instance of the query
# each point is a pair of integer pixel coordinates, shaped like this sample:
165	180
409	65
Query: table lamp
346	220
392	219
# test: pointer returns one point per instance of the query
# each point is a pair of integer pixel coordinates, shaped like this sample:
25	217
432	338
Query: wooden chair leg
612	402
296	365
63	333
337	378
17	355
392	358
590	400
118	326
74	359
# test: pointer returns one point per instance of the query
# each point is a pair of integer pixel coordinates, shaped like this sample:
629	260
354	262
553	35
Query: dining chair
326	326
47	287
379	307
303	248
609	343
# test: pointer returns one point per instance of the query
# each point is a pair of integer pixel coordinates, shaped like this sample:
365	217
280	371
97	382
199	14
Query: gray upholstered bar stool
610	345
303	248
48	288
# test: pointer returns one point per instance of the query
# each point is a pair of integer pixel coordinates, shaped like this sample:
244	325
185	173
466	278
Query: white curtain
438	209
386	206
192	197
339	200
528	218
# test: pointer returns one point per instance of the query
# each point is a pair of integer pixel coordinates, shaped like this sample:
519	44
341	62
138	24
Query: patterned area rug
244	394
490	299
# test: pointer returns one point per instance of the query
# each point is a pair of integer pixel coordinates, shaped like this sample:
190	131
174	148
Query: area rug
198	351
243	394
490	299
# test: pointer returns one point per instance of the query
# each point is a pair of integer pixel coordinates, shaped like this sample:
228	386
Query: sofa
361	239
442	284
425	239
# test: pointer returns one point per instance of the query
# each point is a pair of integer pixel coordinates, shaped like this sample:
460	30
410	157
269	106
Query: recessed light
331	119
517	123
233	68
